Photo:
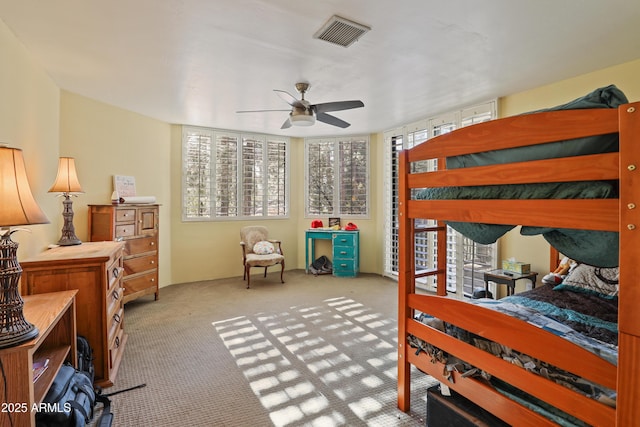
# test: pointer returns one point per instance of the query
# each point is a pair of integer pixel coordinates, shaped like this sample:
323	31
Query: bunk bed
617	214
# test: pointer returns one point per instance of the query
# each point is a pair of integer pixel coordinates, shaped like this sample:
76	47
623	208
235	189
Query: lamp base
68	230
69	241
11	339
14	328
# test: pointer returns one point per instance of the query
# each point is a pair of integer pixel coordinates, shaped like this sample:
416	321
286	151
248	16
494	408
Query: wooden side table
54	314
503	277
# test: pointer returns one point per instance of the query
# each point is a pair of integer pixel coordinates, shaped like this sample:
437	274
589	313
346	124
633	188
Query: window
233	175
466	260
337	178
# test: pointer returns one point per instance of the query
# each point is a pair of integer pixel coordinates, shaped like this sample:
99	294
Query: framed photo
334	221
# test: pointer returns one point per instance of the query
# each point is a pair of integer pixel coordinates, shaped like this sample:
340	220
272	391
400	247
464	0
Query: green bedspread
598	248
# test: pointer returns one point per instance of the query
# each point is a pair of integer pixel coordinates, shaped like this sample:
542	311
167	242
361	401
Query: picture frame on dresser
137	225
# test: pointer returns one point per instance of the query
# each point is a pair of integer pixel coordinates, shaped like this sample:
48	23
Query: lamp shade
17	205
67	179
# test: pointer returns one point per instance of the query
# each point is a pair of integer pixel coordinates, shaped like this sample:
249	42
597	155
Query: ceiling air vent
341	31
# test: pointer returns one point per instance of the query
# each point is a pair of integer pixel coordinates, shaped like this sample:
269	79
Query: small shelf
56	357
54	315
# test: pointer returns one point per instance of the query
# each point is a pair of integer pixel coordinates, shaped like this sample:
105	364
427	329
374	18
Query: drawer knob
152	243
153	262
153	280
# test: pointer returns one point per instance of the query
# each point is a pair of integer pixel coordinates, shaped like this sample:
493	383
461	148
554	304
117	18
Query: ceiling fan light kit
303	113
302	120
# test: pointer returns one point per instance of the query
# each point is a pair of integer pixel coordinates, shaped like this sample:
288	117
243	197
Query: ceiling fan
303	113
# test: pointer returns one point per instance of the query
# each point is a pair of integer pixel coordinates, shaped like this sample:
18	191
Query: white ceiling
197	62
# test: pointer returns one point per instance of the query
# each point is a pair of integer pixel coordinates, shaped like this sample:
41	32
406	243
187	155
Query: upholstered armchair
259	251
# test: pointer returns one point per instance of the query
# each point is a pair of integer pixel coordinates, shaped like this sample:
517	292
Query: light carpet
314	351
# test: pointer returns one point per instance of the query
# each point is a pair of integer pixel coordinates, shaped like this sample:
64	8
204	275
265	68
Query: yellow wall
107	141
46	123
29	119
535	250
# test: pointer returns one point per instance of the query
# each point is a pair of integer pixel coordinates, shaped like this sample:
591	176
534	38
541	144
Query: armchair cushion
255	260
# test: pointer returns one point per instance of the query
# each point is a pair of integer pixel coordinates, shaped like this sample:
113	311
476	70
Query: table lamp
17	207
67	183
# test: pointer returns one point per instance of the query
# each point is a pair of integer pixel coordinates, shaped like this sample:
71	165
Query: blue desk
345	249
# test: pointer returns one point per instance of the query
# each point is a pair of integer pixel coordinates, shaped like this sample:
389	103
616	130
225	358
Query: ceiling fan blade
289	99
332	120
286	124
337	106
259	111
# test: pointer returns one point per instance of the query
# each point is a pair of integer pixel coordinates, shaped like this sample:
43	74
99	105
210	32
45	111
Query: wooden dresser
137	226
95	269
55	317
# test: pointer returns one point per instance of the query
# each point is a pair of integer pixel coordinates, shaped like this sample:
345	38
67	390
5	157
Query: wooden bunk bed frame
622	215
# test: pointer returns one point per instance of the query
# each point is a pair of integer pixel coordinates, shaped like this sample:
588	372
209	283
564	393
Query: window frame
241	137
336	196
401	138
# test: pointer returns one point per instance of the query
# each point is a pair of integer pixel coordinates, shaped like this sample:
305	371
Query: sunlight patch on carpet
300	363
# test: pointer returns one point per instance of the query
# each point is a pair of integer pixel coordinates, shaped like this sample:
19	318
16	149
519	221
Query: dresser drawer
340	239
115	348
125	215
134	284
114	272
114	301
125	230
141	245
140	264
115	323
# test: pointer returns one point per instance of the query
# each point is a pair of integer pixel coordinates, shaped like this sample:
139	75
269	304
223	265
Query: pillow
263	248
589	279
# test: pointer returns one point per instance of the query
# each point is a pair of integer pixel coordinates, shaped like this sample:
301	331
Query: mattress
584	318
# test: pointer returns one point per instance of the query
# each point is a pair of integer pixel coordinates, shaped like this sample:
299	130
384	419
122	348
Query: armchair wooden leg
282	272
265	272
247	272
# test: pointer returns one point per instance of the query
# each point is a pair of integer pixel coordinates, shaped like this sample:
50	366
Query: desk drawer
344	267
344	239
343	252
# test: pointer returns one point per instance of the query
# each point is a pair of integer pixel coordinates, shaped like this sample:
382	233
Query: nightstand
503	277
